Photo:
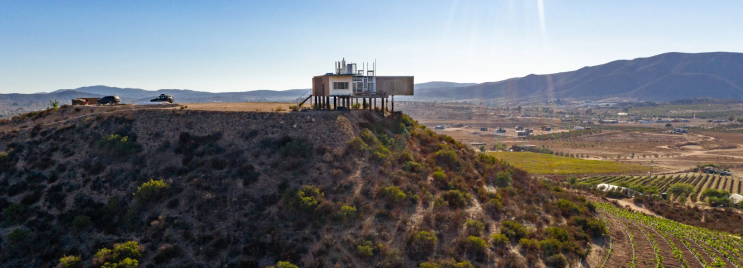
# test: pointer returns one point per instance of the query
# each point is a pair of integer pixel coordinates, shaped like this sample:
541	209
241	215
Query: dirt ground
239	106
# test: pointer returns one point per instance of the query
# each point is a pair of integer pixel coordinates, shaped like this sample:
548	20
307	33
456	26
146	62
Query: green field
552	164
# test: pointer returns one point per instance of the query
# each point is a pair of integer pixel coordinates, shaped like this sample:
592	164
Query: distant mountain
61	96
441	84
130	95
664	77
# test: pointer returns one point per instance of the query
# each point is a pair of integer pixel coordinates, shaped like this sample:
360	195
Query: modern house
348	85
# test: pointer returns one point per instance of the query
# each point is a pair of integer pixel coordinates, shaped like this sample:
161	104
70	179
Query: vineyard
639	240
700	181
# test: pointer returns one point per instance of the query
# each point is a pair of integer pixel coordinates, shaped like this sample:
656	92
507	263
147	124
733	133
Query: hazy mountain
663	77
440	84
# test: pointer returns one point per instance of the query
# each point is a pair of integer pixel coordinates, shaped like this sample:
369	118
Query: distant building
483	129
500	130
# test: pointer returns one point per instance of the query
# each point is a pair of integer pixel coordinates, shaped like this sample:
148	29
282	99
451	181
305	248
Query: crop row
663	182
722	248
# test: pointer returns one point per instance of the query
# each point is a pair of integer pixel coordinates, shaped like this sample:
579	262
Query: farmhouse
348	86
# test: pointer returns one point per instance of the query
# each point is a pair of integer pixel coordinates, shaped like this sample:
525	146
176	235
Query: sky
222	46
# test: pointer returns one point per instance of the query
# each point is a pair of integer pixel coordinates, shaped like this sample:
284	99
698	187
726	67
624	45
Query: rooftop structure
348	85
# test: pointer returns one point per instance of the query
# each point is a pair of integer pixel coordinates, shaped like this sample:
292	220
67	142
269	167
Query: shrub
150	191
448	158
71	262
455	198
513	230
412	166
446	264
494	206
476	244
347	212
557	261
503	179
298	147
594	227
123	255
284	264
294	107
117	145
307	198
529	244
550	246
474	226
365	250
439	177
422	243
394	194
380	154
81	222
357	145
499	239
558	233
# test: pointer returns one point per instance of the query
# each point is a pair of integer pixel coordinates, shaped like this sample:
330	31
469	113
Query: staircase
301	100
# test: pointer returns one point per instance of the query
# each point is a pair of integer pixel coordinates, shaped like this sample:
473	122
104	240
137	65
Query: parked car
109	100
163	98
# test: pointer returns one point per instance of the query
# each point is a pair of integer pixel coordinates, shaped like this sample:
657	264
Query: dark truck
163	98
109	100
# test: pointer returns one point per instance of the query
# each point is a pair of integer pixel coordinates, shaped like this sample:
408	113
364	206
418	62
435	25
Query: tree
731	118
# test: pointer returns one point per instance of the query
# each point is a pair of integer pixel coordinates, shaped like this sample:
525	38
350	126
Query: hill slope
663	77
317	189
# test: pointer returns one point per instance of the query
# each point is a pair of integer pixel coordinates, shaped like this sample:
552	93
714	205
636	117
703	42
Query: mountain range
664	77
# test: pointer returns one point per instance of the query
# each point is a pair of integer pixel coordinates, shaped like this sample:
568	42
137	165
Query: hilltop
250	189
663	77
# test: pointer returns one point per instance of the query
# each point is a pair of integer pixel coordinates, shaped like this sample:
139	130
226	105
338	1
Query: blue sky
249	45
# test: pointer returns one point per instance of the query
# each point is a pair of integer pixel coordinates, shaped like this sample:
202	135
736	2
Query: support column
393	103
327	103
363	104
375	103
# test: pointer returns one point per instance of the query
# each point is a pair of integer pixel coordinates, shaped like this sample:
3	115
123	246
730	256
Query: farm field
700	181
639	240
539	163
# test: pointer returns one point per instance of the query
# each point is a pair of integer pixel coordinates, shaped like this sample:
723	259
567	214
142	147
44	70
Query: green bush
558	233
503	179
380	154
448	158
476	244
71	262
347	212
550	246
150	191
529	244
556	261
513	230
499	239
446	264
422	243
357	145
475	226
455	198
394	194
439	177
412	166
117	145
369	137
308	197
284	264
366	249
123	255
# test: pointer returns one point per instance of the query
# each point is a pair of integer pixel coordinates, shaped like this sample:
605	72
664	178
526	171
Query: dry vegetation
247	189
